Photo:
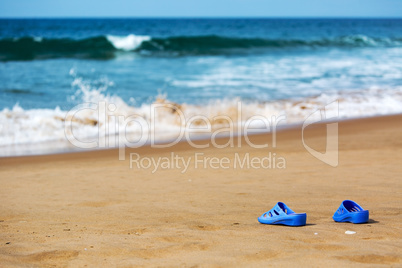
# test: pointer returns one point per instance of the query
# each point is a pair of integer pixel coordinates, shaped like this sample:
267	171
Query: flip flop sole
290	220
354	217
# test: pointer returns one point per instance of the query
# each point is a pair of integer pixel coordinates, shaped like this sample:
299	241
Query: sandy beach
90	209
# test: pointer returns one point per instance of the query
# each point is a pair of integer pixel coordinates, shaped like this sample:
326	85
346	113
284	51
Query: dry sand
90	209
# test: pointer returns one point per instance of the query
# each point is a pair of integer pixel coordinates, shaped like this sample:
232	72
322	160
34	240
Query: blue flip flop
282	214
350	211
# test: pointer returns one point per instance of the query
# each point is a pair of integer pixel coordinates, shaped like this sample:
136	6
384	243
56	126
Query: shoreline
75	150
89	208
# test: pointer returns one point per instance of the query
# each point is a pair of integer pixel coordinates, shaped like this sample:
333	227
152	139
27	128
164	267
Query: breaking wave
106	47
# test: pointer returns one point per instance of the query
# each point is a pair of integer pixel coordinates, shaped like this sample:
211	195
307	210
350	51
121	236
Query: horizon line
201	17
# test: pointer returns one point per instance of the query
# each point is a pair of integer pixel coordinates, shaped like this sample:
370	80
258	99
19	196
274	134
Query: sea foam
102	115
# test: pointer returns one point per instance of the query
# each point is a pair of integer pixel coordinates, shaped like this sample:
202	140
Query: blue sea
273	67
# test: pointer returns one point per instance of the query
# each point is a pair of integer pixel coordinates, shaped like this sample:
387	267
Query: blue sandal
282	214
350	211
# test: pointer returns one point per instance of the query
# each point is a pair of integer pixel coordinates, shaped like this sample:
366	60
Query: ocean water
204	67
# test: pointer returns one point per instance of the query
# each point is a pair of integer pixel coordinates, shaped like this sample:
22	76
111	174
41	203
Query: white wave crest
364	40
129	42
